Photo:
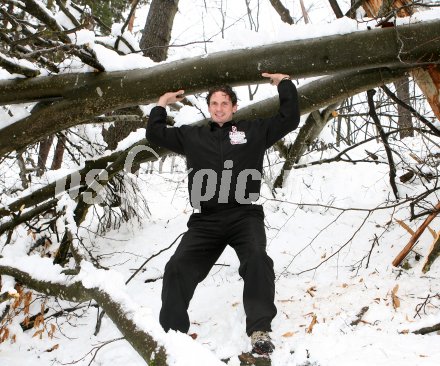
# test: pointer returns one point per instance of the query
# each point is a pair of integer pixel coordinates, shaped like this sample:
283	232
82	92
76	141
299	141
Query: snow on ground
330	263
300	237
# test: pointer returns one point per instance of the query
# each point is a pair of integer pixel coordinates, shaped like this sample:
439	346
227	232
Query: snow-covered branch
49	279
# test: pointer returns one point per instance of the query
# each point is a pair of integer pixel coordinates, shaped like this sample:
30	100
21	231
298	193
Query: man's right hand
170	97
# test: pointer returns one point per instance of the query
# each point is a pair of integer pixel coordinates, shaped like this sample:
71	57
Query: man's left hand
275	79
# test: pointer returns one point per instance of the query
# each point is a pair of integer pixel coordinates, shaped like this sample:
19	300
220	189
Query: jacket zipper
221	148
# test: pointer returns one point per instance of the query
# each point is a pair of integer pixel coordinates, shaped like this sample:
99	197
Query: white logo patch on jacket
237	137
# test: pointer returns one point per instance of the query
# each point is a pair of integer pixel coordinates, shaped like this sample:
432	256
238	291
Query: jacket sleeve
288	116
159	134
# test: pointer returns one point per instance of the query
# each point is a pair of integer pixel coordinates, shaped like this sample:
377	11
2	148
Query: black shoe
261	343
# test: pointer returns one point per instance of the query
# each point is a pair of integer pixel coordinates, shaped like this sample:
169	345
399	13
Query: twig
98	322
153	256
95	351
359	316
383	136
422	305
428	124
375	240
426	330
352	11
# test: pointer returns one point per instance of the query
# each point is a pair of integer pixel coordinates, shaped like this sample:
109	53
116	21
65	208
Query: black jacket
213	152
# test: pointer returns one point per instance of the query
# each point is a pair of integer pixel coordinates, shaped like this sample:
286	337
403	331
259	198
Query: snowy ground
330	263
300	237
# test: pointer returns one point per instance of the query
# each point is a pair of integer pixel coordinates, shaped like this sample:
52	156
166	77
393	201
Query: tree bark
43	153
380	8
59	152
428	80
157	31
336	9
433	254
406	46
426	330
282	11
99	93
403	114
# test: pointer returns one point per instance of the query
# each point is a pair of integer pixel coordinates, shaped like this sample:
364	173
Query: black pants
242	227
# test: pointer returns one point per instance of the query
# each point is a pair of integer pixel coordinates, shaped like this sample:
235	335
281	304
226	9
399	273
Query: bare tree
69	100
157	32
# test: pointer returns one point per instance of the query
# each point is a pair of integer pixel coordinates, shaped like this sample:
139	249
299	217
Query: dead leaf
5	335
288	334
26	321
38	333
38	321
396	300
52	330
312	324
53	348
311	291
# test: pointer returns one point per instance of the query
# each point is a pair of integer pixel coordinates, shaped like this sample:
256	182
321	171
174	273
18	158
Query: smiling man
225	162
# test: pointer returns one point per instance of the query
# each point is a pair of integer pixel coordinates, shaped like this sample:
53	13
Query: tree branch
383	137
282	11
336	9
426	330
141	341
421	118
15	68
313	96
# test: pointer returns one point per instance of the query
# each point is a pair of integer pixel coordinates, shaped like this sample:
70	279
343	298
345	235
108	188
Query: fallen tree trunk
83	96
313	96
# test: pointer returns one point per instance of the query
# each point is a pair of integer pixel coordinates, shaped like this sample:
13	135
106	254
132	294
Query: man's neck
220	124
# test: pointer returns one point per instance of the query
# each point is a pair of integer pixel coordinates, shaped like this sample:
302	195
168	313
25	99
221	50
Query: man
225	162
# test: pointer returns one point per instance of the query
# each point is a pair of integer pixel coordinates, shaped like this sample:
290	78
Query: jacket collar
227	125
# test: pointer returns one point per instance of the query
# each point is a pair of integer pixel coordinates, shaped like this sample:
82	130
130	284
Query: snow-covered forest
90	212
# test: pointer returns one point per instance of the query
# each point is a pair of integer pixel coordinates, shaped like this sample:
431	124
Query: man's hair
224	89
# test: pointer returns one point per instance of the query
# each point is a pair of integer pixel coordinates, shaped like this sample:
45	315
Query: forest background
90	212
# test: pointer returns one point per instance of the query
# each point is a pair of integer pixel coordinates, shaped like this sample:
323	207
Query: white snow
332	251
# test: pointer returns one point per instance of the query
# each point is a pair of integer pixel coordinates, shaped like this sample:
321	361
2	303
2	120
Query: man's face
221	108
